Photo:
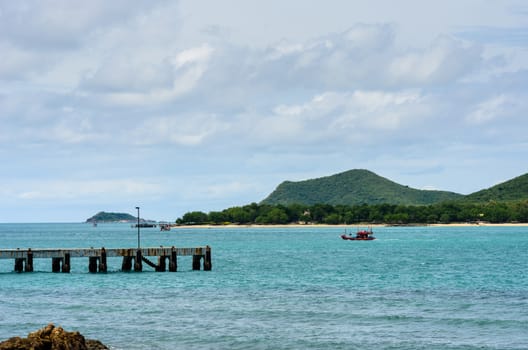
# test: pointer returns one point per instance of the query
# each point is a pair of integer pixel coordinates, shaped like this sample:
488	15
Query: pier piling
127	264
196	262
66	263
29	261
138	264
207	259
56	264
161	264
173	263
102	261
92	265
19	264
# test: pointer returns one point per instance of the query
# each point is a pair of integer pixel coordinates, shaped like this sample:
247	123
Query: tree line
444	213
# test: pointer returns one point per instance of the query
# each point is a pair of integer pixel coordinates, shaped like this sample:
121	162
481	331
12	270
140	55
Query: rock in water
52	338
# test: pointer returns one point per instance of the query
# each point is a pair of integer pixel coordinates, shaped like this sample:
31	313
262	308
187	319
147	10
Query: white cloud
193	55
136	81
82	189
489	110
363	57
17	63
121	74
334	115
37	36
318	107
219	190
125	74
60	24
445	60
368	37
71	131
185	130
389	111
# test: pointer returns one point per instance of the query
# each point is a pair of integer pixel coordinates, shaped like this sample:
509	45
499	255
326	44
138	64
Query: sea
279	288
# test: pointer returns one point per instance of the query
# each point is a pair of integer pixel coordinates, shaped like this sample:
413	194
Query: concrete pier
61	259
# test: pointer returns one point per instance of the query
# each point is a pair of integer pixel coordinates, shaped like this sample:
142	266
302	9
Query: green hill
511	190
111	217
354	187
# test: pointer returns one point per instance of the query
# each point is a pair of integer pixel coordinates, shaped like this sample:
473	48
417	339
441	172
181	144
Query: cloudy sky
187	105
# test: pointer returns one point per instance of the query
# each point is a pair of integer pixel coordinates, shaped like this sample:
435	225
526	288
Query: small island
111	217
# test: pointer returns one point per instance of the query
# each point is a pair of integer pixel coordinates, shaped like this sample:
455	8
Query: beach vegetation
195	217
442	213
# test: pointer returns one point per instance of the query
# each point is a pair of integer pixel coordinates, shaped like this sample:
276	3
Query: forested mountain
511	190
360	196
354	187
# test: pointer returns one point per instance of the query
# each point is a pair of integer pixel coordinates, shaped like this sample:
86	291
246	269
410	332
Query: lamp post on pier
138	227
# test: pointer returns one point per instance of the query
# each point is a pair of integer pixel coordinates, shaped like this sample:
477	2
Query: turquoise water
276	288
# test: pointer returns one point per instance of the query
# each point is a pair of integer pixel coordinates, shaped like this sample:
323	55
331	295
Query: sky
177	106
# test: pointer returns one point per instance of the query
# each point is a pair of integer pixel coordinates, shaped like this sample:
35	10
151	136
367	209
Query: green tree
195	217
497	212
273	216
217	217
332	219
296	212
278	216
238	215
320	211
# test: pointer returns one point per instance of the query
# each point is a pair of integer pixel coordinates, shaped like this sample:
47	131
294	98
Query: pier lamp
138	226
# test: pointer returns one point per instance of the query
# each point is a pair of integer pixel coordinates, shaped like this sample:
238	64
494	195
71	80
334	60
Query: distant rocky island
111	217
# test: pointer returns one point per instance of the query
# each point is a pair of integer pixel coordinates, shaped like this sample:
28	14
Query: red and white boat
361	235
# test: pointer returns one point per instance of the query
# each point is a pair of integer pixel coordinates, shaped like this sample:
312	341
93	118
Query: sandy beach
362	225
521	224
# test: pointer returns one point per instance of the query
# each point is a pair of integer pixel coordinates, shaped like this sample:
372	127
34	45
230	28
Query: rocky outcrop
52	338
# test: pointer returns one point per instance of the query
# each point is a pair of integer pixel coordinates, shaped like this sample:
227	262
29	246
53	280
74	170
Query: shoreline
234	226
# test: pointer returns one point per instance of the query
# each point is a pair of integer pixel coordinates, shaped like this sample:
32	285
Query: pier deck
61	257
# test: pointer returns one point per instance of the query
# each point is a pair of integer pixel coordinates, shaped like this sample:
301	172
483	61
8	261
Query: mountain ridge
352	187
510	190
361	186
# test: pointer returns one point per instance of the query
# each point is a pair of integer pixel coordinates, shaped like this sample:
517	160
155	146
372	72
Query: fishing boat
361	235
